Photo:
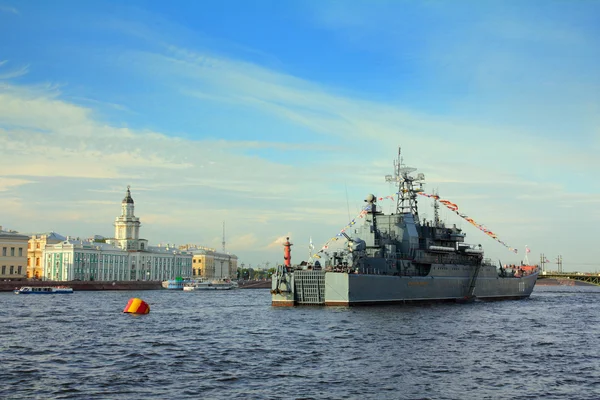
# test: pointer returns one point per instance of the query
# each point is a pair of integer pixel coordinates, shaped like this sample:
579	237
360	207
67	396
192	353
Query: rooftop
13	235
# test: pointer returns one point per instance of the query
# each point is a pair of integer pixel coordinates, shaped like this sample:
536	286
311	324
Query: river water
233	344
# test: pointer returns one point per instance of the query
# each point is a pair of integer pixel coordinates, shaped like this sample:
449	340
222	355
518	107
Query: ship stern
282	288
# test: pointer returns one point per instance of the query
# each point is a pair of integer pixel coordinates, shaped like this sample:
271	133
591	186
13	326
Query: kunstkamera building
125	257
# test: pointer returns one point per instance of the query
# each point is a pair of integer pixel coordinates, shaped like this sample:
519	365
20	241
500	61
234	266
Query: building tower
127	225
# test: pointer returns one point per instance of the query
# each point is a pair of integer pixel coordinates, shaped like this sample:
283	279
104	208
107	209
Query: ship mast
436	210
408	187
223	242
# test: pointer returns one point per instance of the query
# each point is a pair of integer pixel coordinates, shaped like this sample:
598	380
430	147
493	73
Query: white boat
210	285
43	290
176	284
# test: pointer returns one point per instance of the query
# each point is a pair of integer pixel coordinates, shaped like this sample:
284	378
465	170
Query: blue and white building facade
125	257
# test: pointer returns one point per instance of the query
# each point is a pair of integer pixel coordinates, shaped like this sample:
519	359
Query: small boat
176	284
210	285
43	290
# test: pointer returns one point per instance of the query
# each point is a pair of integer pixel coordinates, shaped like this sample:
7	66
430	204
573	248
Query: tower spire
127	225
223	242
128	199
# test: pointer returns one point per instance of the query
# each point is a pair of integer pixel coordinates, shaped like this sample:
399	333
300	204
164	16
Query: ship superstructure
398	258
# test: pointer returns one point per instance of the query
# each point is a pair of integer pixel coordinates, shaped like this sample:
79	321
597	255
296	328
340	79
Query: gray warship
398	258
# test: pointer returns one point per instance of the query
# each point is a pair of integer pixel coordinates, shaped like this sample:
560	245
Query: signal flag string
450	205
453	207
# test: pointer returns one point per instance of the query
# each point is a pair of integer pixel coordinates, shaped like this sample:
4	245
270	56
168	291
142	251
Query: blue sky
264	114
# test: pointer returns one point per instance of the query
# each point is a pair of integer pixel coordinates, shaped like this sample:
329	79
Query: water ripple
235	345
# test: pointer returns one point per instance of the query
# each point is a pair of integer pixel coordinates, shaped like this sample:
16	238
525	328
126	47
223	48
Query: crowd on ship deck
517	271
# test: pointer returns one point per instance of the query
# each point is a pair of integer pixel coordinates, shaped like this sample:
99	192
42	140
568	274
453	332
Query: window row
11	270
12	251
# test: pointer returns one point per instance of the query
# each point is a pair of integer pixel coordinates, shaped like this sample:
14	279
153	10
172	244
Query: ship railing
446	259
404	256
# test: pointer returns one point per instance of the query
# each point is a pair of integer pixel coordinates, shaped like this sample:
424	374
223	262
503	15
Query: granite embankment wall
255	284
9	286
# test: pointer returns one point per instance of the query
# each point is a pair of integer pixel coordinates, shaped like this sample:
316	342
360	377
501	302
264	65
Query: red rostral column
287	253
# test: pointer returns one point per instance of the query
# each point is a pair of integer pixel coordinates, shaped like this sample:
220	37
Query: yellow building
13	255
35	252
208	263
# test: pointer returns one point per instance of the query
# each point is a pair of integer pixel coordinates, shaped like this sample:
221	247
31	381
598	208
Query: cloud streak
14	73
9	9
278	160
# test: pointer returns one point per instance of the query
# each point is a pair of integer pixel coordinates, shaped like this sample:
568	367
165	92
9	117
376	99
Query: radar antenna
223	242
436	210
408	186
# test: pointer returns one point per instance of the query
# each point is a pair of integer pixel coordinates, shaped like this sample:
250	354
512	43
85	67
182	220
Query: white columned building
125	257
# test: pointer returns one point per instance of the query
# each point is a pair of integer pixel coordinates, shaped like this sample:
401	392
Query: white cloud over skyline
293	148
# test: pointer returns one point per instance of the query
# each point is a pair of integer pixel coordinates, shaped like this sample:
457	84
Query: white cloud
7	183
14	73
9	9
184	189
323	112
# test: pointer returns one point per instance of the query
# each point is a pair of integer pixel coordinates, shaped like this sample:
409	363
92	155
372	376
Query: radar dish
420	176
407	170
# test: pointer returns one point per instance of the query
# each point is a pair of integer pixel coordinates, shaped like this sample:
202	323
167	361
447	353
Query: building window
19	269
37	262
12	251
12	269
37	245
20	252
4	251
4	270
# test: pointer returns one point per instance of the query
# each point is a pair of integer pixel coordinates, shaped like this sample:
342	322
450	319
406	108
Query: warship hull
306	287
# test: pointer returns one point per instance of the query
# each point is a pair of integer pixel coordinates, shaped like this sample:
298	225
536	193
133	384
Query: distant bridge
594	279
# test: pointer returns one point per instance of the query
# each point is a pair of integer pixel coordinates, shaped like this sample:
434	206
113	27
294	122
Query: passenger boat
210	285
43	290
175	284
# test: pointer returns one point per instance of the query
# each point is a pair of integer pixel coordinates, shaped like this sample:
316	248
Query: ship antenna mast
436	210
223	242
408	186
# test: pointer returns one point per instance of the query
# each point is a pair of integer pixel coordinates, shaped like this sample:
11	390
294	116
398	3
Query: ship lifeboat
474	251
441	248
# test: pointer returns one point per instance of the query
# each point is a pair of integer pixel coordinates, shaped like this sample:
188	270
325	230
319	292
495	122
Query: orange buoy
137	306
